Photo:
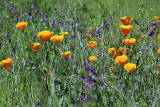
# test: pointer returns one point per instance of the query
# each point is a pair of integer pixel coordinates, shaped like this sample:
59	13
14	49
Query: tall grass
26	82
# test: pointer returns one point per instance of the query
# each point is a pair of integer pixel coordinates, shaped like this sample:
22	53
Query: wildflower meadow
79	53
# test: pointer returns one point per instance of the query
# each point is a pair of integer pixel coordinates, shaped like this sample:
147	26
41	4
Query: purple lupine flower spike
144	47
54	21
106	25
31	18
152	29
8	6
96	35
153	23
31	62
36	10
8	37
0	45
88	80
99	29
26	65
64	24
103	79
83	99
43	16
15	11
93	71
87	87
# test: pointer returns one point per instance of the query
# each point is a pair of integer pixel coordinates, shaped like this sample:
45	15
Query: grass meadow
45	76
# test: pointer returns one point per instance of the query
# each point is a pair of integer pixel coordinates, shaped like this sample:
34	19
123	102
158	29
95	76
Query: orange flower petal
129	42
112	51
156	18
22	25
92	44
159	36
159	51
126	29
45	35
92	59
125	20
57	39
121	60
6	63
66	54
35	47
130	67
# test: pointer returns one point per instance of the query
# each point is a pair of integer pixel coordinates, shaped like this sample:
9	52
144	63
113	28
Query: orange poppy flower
130	67
121	60
142	37
112	69
125	20
22	25
85	93
92	44
49	74
92	59
159	36
57	39
112	51
66	54
156	18
90	29
35	47
126	29
45	35
89	36
120	50
6	63
155	73
159	51
64	33
158	65
129	42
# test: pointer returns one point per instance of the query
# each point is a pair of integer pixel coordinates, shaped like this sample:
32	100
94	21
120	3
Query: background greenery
27	84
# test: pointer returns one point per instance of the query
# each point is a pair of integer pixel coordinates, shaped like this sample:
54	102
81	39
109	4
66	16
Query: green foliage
26	84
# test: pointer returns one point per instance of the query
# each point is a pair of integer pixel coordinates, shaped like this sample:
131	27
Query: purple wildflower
26	65
13	50
99	29
0	45
106	25
88	80
96	35
152	28
54	21
83	99
93	71
103	79
31	62
36	10
87	87
64	24
8	37
31	12
8	6
144	47
151	33
39	104
31	18
153	23
144	23
43	16
15	11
